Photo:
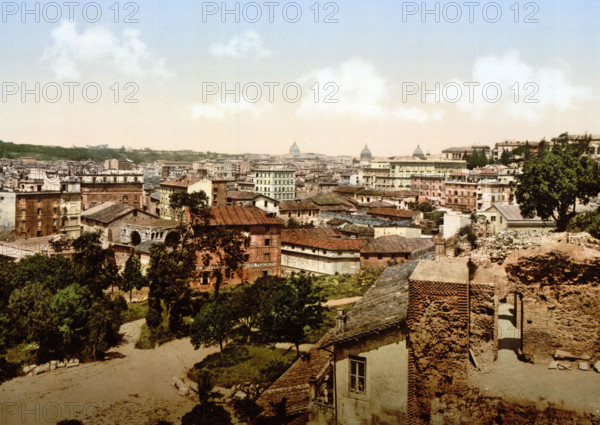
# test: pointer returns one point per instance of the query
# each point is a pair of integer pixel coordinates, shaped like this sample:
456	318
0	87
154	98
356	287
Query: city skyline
377	61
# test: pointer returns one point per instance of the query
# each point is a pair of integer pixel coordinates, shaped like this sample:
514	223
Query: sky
255	77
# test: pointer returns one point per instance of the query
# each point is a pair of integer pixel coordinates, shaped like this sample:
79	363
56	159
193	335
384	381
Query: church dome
365	154
418	153
294	150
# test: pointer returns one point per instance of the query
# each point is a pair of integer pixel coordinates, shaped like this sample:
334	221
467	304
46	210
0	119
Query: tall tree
214	324
132	277
554	180
290	309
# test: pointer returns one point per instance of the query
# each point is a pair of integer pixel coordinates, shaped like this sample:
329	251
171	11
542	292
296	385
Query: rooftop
181	182
447	270
384	305
242	216
292	237
393	212
397	244
107	212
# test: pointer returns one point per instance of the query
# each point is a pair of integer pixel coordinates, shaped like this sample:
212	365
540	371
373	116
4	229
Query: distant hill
54	153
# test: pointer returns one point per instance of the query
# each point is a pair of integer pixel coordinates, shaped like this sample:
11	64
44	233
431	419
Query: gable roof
294	384
181	182
298	206
107	212
238	215
384	305
393	212
512	213
292	237
397	244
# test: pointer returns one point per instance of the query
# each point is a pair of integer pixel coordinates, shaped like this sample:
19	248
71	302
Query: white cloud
248	44
527	92
363	94
97	48
220	111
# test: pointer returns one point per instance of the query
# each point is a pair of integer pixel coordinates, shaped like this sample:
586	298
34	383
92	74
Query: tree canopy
555	179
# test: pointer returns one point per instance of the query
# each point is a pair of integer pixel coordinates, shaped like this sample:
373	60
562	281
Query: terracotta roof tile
291	237
397	244
393	213
107	212
242	216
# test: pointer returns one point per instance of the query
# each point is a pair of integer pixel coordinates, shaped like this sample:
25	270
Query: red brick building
37	214
461	196
431	188
262	241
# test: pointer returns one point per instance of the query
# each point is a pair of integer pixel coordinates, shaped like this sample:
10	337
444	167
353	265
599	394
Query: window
267	242
246	258
358	374
267	256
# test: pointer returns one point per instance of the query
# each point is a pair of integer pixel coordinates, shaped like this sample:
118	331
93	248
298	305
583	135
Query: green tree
553	181
132	276
71	308
477	159
214	324
168	276
588	221
95	267
506	157
290	309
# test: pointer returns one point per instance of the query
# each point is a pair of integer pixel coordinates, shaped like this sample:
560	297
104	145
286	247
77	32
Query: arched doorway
136	239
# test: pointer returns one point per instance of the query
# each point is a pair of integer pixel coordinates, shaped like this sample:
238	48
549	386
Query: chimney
440	247
340	320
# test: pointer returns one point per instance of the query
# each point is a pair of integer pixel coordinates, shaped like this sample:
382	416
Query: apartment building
276	182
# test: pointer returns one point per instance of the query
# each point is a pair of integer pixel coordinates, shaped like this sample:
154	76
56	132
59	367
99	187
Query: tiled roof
384	305
242	216
376	204
397	244
155	196
293	384
355	229
107	212
145	246
241	196
351	190
292	237
181	182
393	212
513	213
298	206
372	192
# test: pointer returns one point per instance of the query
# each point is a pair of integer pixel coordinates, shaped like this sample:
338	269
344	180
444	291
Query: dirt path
134	387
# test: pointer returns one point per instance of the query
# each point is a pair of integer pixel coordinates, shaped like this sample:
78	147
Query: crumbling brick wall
482	323
438	323
561	304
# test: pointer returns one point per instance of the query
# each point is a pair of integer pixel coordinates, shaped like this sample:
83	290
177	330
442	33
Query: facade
461	195
181	185
490	192
404	231
219	193
251	199
305	213
397	173
275	182
508	217
123	188
118	164
458	153
430	188
107	219
135	232
319	251
70	208
262	242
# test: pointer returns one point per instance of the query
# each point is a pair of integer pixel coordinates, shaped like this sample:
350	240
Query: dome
418	153
365	154
294	150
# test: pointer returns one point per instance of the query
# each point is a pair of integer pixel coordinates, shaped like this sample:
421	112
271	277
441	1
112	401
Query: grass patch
145	341
245	363
313	335
22	353
135	311
347	285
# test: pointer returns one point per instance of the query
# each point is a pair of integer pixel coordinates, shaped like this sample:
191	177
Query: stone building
277	182
107	219
319	251
123	188
181	185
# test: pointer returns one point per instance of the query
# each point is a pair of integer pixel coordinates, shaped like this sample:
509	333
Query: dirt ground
133	387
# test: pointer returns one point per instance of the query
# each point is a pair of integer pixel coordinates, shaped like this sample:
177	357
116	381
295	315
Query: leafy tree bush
554	180
132	277
214	324
587	222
